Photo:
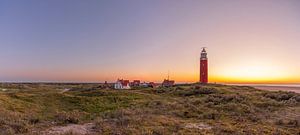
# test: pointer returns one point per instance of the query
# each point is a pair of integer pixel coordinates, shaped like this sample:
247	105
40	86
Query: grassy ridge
186	109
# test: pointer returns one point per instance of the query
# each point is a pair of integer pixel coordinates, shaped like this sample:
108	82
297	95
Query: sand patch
65	90
3	89
199	126
76	129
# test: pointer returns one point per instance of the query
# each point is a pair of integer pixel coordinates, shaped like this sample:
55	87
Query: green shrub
195	92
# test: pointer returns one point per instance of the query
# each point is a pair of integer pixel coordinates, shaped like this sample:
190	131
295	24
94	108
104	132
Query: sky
255	41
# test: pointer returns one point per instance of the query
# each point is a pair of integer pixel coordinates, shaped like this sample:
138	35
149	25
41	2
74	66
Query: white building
122	84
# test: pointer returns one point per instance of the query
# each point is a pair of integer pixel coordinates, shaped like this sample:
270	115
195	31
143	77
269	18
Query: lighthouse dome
203	54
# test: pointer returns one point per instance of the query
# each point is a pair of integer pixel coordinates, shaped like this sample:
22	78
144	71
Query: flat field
70	109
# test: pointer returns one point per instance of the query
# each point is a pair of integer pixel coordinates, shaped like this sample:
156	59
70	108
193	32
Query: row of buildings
203	77
126	84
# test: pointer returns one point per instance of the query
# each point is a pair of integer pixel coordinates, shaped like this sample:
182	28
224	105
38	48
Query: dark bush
279	122
163	90
254	118
67	118
160	91
20	127
6	131
207	90
12	123
293	123
179	88
297	98
14	127
223	99
157	132
211	115
34	120
281	96
221	130
267	105
195	92
289	123
187	114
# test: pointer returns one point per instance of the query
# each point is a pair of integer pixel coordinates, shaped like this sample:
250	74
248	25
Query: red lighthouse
203	67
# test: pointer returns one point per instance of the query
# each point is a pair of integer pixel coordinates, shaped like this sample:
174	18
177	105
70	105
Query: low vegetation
183	109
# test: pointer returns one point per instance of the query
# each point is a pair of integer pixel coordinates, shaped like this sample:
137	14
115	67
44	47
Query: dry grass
35	108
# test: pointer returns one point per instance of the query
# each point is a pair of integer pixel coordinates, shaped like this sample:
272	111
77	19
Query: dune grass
33	108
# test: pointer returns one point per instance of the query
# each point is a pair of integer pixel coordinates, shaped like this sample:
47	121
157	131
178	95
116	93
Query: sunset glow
95	41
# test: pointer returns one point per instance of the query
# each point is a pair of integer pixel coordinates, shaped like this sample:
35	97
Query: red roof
136	81
125	82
